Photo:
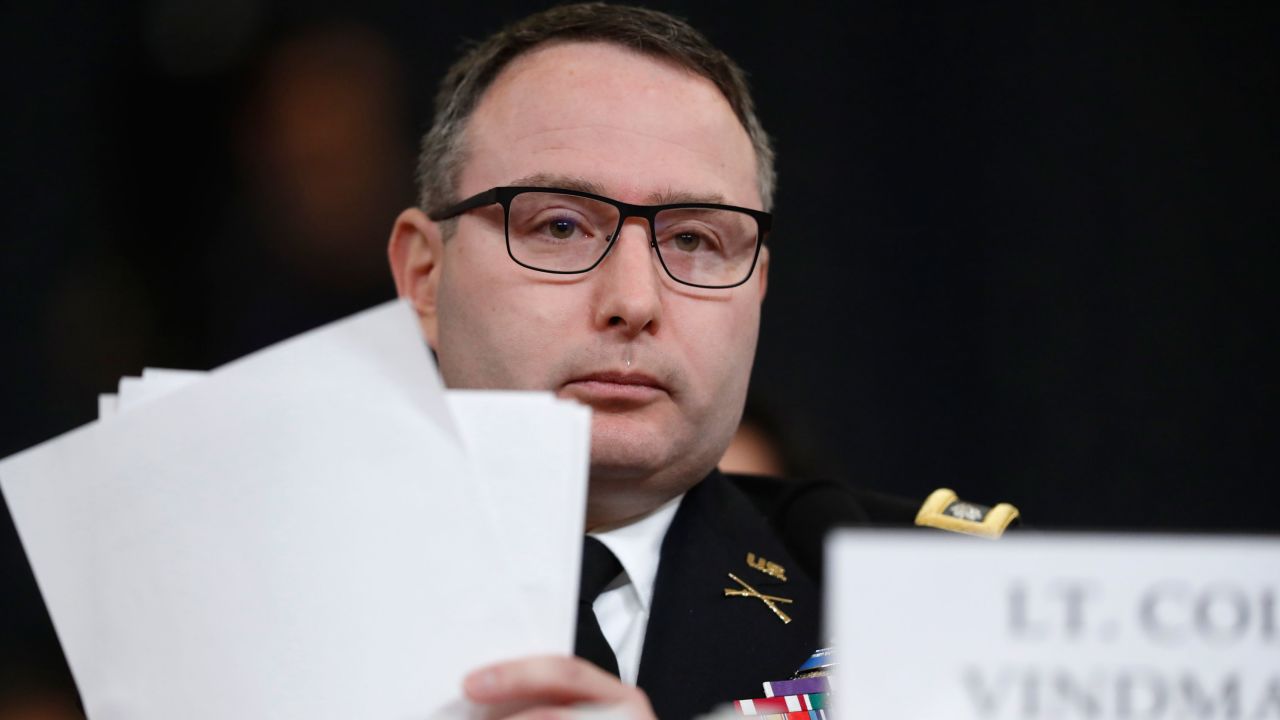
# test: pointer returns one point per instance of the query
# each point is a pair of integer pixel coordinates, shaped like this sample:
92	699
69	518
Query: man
539	261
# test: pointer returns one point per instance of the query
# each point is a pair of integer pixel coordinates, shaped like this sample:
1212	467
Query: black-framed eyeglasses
567	232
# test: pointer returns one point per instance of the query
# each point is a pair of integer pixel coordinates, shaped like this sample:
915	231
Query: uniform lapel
701	647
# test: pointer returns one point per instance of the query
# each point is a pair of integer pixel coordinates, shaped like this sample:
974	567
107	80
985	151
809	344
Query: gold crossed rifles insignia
769	600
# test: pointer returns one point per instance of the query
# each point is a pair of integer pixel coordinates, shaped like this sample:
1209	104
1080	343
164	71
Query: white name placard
1054	626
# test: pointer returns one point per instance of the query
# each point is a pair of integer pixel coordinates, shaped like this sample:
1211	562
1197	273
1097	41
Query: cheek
471	320
496	329
720	345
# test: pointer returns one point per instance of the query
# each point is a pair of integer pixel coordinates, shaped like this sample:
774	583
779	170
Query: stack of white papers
317	530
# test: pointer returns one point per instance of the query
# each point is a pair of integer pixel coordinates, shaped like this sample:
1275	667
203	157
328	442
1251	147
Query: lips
615	387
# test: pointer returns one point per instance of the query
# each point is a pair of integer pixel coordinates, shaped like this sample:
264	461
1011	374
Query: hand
551	687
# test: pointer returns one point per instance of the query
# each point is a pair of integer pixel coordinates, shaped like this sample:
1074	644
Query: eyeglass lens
567	233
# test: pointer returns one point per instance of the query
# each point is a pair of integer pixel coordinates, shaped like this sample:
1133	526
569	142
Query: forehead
634	125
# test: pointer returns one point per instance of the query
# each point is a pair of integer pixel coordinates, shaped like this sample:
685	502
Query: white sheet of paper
1110	627
291	537
106	405
154	383
529	454
532	451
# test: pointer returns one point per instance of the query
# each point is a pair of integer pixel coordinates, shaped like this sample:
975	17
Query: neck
612	505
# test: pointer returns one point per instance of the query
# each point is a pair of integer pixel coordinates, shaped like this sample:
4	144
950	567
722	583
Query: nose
628	293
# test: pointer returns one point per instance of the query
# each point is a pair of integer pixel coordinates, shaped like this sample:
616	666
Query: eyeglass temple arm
488	197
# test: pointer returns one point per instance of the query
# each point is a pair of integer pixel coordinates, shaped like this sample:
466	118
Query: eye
561	228
687	241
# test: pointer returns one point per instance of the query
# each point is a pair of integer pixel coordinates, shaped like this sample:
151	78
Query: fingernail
481	682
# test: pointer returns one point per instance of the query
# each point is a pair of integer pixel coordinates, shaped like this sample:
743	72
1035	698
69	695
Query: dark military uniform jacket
703	648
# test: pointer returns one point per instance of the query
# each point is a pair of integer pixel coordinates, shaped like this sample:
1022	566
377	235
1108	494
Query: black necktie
599	568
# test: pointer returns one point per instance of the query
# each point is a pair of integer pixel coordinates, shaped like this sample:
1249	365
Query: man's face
663	366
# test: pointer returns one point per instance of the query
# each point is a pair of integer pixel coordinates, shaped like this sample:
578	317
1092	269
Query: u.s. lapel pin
769	600
772	569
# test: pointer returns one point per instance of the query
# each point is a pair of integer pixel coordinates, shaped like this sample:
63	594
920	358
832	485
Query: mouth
614	388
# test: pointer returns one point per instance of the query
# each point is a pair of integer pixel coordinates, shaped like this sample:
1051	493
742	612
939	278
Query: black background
1022	250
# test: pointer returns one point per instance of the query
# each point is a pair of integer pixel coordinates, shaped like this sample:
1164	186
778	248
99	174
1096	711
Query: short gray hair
645	31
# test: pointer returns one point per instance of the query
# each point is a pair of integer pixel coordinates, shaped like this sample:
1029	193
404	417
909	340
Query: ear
762	271
416	252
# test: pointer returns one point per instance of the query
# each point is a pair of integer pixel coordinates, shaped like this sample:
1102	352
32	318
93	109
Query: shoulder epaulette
945	511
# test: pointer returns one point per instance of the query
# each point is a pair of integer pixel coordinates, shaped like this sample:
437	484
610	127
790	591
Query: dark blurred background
1021	250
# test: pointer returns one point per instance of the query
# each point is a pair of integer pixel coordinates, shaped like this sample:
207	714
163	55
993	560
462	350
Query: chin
624	461
646	458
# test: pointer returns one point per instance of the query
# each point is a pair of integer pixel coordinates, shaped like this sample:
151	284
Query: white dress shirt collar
623	608
638	547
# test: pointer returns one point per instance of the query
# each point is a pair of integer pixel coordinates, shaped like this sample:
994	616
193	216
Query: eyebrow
581	184
670	197
564	182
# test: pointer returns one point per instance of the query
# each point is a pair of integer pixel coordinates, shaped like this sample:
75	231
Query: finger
548	679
